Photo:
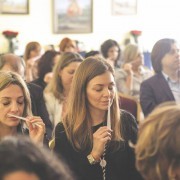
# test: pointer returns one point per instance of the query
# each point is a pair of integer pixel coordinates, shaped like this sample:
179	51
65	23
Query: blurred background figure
45	67
67	45
158	145
111	51
31	55
20	159
93	53
165	84
133	71
56	93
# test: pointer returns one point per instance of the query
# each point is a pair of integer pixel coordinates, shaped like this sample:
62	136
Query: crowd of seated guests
73	95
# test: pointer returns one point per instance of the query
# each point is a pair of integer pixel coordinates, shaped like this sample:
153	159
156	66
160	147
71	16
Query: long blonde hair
158	146
8	78
130	52
77	123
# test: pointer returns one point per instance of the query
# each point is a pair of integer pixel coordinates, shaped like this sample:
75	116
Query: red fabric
129	105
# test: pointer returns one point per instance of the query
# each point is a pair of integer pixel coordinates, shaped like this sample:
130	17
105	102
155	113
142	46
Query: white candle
109	116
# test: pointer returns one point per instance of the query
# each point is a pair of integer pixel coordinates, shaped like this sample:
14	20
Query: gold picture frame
14	6
70	17
124	7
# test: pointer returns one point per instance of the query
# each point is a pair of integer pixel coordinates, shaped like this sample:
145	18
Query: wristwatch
91	159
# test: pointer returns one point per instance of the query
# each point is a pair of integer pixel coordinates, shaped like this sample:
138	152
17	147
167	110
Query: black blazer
153	92
39	107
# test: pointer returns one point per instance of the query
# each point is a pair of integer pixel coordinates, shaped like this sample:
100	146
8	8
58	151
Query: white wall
156	19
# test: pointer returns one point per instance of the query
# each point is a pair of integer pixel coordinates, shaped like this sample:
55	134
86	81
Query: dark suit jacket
39	82
153	92
39	107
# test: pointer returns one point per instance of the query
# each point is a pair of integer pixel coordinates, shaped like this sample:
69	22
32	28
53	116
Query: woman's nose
107	92
14	107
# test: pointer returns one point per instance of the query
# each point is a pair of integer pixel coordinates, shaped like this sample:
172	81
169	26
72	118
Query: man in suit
165	84
11	62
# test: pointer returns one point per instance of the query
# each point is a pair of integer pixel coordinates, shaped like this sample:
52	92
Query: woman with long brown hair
93	148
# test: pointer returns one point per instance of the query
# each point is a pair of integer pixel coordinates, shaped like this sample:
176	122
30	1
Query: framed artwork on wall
124	7
14	6
72	16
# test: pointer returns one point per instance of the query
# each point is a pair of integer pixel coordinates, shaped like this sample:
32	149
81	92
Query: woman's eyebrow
111	83
5	97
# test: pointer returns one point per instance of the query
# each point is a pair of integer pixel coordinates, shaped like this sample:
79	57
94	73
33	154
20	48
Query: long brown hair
77	123
55	86
31	46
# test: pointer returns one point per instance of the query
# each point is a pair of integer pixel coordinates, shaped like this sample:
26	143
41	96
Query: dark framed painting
124	7
72	16
14	6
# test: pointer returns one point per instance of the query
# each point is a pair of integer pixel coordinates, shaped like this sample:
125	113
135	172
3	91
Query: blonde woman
132	73
15	100
93	150
57	90
158	145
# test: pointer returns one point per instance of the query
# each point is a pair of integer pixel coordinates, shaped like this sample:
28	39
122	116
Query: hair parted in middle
11	78
77	122
55	86
106	45
160	49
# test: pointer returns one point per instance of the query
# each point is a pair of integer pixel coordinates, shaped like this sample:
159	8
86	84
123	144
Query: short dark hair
107	45
46	63
160	49
91	53
20	154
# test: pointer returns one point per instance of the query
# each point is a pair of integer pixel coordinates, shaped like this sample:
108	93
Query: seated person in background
111	51
31	56
132	73
20	159
158	145
56	92
84	139
93	53
15	100
45	67
13	63
165	84
67	45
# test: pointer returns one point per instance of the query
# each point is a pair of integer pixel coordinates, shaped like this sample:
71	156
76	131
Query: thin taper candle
109	116
22	118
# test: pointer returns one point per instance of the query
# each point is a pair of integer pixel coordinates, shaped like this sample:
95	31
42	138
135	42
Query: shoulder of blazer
154	79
